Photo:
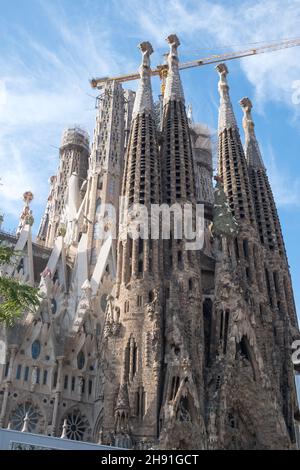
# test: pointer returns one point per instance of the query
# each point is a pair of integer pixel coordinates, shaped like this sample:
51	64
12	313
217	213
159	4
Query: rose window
77	424
18	416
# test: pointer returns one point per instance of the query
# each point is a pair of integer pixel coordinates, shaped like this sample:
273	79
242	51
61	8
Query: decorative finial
252	150
173	88
222	69
26	217
223	85
248	123
64	430
143	100
25	423
174	42
146	49
27	197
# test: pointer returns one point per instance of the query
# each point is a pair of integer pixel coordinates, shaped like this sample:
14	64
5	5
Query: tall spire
265	208
232	163
173	90
143	100
226	114
182	267
138	293
252	150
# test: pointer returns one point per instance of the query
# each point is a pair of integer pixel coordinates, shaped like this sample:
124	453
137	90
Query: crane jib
100	82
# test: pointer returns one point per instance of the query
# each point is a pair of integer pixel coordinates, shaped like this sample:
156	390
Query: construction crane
162	70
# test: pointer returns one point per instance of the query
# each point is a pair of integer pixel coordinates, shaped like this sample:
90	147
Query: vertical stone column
12	354
59	386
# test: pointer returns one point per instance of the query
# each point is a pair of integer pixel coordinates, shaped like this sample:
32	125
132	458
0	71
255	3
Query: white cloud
44	87
205	24
243	25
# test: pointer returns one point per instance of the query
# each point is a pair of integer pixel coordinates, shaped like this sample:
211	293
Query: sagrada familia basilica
138	342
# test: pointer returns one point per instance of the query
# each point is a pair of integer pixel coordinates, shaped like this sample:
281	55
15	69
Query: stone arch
186	410
98	427
245	351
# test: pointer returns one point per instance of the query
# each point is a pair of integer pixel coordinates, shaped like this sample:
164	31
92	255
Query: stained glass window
103	302
77	425
35	349
53	306
18	415
80	360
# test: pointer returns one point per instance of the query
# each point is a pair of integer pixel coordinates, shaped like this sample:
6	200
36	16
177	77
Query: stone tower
143	340
133	323
279	294
74	155
105	172
243	360
181	417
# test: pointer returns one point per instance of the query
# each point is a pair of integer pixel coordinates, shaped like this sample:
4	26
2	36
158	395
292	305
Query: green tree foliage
224	224
15	296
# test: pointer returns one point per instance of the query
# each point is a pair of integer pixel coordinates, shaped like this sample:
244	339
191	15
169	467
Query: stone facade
139	342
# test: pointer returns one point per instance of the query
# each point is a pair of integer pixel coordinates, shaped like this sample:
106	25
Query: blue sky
50	49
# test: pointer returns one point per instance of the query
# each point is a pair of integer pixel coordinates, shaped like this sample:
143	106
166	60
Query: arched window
26	374
131	357
236	248
103	302
246	249
98	329
174	387
207	325
140	402
140	266
35	349
94	256
53	306
18	373
96	231
80	360
98	206
179	259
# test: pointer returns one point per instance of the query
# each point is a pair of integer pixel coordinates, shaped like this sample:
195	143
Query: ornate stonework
140	343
